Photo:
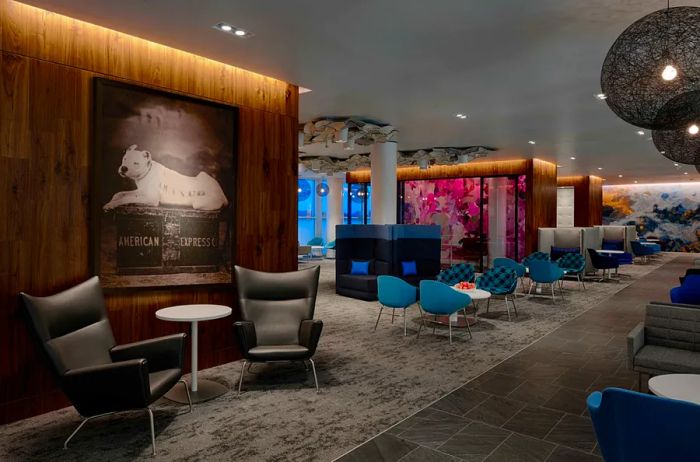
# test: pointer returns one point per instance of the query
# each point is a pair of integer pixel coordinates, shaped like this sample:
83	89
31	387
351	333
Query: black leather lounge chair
98	376
277	311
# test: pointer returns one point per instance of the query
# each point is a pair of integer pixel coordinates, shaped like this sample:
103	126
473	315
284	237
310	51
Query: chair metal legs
86	419
313	368
381	307
187	391
404	322
464	310
422	324
240	380
393	312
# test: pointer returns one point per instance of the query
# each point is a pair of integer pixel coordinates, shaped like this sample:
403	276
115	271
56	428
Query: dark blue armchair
642	251
633	426
687	293
602	262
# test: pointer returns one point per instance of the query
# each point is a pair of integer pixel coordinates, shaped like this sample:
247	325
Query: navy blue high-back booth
385	247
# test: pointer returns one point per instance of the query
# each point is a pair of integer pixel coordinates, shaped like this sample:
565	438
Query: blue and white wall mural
669	212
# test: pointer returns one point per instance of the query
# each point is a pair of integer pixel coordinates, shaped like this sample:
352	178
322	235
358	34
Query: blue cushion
613	244
409	268
557	252
359	267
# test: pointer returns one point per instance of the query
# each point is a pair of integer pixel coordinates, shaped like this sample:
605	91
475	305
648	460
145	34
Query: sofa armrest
635	341
162	353
109	387
309	334
245	336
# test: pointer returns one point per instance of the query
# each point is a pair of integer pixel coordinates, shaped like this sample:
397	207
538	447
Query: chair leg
83	422
404	321
505	297
435	322
551	284
469	329
381	307
240	380
449	327
313	368
422	324
187	391
393	312
488	303
153	430
515	308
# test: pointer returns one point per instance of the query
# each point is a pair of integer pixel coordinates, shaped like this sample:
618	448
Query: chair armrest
635	341
245	336
110	387
161	353
309	333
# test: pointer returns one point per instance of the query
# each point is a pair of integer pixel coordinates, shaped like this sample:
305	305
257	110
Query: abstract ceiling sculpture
350	131
652	62
422	157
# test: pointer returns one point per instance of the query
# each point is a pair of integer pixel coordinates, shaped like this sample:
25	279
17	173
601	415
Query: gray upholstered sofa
667	342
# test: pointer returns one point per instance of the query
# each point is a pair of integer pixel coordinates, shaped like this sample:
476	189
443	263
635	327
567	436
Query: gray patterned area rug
369	381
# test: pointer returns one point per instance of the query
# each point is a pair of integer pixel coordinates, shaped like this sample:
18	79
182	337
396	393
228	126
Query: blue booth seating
633	426
618	244
419	244
689	292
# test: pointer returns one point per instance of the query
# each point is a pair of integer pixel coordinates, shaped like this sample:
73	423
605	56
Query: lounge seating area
495	212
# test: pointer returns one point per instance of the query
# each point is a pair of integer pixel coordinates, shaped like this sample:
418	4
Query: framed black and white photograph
163	187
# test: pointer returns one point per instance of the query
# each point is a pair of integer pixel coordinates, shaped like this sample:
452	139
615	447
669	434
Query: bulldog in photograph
157	185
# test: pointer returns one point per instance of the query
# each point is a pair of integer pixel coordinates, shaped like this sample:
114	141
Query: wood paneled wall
47	65
541	186
588	198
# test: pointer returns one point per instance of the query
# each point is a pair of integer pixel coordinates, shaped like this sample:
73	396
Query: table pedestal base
206	390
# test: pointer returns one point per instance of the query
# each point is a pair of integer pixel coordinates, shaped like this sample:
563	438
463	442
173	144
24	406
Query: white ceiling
521	70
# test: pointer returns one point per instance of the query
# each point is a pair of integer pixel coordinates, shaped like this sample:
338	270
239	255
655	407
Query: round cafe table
685	387
458	319
200	390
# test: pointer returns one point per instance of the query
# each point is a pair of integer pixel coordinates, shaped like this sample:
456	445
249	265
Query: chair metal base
449	324
245	361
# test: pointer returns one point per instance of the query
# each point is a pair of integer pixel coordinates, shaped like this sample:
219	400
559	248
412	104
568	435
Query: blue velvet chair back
315	241
441	299
535	256
545	271
633	426
689	292
498	280
394	292
457	273
641	250
510	263
572	262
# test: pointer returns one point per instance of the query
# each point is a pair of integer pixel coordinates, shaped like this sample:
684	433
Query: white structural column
383	194
335	206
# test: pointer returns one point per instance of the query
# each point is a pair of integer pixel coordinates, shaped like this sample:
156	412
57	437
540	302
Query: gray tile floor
532	407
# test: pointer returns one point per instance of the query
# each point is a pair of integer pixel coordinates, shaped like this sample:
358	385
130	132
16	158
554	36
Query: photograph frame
100	87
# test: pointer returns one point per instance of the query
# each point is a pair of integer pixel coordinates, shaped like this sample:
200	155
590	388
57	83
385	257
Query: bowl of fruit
464	285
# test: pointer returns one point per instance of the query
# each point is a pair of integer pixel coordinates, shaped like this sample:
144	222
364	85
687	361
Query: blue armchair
546	272
500	280
602	262
687	293
442	300
457	273
512	264
535	256
643	251
394	293
573	264
633	426
315	241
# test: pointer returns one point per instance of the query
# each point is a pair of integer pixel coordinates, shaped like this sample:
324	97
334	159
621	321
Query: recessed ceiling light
229	29
572	158
675	164
600	168
558	166
303	90
531	142
685	173
461	116
601	96
619	176
640	132
635	181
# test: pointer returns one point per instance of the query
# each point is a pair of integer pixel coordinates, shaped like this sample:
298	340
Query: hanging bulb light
669	73
423	164
322	189
693	129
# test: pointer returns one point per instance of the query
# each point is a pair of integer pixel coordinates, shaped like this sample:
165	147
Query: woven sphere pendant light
682	144
651	62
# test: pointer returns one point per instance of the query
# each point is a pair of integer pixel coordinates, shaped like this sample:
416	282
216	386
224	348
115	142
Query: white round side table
201	390
685	387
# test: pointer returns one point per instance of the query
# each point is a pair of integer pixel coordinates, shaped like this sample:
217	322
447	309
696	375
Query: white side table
685	387
201	390
476	295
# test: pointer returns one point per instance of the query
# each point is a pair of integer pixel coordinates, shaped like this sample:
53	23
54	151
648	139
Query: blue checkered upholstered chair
500	281
573	264
457	273
535	256
512	264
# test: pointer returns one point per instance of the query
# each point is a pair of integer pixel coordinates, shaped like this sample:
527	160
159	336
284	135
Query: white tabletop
476	294
610	251
685	387
188	313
